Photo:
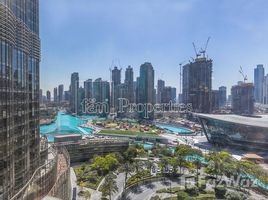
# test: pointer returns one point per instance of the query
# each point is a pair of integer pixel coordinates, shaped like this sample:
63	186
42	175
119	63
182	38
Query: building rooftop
259	121
68	135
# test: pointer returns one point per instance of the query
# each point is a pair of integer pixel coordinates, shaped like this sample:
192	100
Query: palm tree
109	186
197	165
217	164
87	195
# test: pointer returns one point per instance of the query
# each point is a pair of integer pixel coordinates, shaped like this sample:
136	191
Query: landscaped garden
215	175
129	133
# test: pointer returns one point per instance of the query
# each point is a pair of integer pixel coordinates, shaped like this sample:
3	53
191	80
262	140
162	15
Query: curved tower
19	93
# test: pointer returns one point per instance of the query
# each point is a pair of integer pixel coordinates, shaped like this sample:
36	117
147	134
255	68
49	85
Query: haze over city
86	36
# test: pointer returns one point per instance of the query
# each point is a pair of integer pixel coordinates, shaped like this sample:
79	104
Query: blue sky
86	36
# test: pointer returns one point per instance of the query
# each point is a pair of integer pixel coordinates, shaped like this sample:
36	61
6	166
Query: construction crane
196	54
245	77
181	75
203	51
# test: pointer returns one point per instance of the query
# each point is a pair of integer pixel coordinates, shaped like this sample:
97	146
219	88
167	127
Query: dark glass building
74	92
129	82
235	130
60	93
259	73
146	92
19	94
160	88
222	96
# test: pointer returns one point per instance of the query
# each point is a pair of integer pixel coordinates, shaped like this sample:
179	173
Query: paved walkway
147	191
120	180
95	195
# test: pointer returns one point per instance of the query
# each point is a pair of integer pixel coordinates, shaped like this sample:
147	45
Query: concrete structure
235	130
55	95
129	84
116	80
166	95
160	88
243	98
197	84
174	94
86	149
222	96
101	90
74	92
48	96
67	138
88	86
265	90
146	92
60	93
258	83
215	100
19	91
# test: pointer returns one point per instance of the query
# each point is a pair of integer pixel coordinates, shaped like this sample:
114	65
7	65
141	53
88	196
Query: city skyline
105	37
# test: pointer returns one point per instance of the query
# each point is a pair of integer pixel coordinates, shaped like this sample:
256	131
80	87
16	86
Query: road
147	191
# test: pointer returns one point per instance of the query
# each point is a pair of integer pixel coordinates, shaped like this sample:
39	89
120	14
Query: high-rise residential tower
88	88
48	96
265	90
74	92
222	96
19	83
197	84
55	94
129	82
146	92
243	98
60	93
258	83
101	91
160	88
116	80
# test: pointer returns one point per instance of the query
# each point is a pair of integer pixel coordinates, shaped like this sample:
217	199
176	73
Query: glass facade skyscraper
19	93
258	83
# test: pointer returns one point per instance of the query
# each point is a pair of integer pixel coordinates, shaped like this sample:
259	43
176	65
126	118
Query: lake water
65	124
175	129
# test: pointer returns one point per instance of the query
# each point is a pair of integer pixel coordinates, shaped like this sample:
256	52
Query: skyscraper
222	96
265	90
41	96
258	83
197	84
160	88
101	90
19	83
166	95
48	96
215	100
173	94
74	92
243	98
146	92
55	94
60	91
129	84
116	80
88	89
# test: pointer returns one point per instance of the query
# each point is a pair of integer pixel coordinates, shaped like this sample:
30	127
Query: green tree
109	186
218	163
87	195
105	164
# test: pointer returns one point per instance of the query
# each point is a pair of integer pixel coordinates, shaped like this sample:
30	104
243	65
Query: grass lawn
129	133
